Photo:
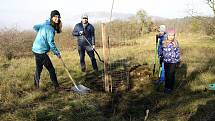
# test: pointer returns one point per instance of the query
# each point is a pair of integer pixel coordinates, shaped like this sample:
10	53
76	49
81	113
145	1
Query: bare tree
144	20
211	3
207	23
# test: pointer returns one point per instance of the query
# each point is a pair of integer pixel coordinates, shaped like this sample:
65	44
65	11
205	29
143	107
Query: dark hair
57	26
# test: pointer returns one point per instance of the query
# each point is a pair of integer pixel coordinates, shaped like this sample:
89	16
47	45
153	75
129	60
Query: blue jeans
90	52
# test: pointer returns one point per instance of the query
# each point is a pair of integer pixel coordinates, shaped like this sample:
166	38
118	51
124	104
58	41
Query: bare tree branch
211	4
202	19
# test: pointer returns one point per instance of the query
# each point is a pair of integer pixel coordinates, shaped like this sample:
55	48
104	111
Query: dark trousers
90	52
160	61
169	75
44	60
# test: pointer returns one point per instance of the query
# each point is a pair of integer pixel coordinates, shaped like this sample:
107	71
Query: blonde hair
166	42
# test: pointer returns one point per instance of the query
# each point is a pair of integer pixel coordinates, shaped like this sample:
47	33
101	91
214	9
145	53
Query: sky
24	14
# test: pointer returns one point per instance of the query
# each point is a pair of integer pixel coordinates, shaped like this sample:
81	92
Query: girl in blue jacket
171	57
44	42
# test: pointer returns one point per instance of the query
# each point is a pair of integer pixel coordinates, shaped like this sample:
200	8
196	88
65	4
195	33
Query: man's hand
93	47
81	33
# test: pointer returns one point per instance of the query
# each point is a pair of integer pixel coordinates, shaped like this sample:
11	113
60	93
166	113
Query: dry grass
18	100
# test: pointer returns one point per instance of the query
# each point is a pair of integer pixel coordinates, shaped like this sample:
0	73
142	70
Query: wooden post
107	76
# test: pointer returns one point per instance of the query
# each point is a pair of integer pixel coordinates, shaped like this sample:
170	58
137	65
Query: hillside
19	101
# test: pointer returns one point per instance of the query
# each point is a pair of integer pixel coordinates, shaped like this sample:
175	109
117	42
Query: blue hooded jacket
89	34
44	41
161	39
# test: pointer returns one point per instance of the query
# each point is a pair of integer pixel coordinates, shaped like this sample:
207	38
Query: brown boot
58	88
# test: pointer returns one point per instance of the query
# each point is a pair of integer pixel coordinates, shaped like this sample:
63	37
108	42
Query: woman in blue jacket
44	42
171	57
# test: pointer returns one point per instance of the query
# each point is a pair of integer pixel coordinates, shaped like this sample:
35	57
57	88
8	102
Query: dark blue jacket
160	43
89	34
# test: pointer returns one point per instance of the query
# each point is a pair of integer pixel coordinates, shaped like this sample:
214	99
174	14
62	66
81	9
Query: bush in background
14	44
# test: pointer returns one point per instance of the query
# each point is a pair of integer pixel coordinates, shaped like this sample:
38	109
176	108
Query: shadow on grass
182	90
133	105
205	112
125	106
206	67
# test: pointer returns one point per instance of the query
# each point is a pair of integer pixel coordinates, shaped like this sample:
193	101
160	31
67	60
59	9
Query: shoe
58	88
36	86
96	70
167	91
84	74
83	69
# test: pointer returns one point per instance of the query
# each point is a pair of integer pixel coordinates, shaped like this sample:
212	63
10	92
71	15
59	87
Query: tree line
14	43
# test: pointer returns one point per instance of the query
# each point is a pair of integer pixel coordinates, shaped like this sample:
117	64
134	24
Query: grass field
189	102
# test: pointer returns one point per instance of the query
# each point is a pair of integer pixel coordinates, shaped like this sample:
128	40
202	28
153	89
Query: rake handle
155	54
66	68
93	48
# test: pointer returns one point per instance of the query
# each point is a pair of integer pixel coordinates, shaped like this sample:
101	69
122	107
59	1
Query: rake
93	49
77	88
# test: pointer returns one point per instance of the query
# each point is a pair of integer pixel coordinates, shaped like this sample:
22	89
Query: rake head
80	89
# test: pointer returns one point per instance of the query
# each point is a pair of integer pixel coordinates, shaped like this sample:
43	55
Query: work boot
58	88
84	74
83	69
167	91
36	86
96	72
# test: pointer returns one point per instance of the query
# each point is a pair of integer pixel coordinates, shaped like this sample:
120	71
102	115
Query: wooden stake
107	76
